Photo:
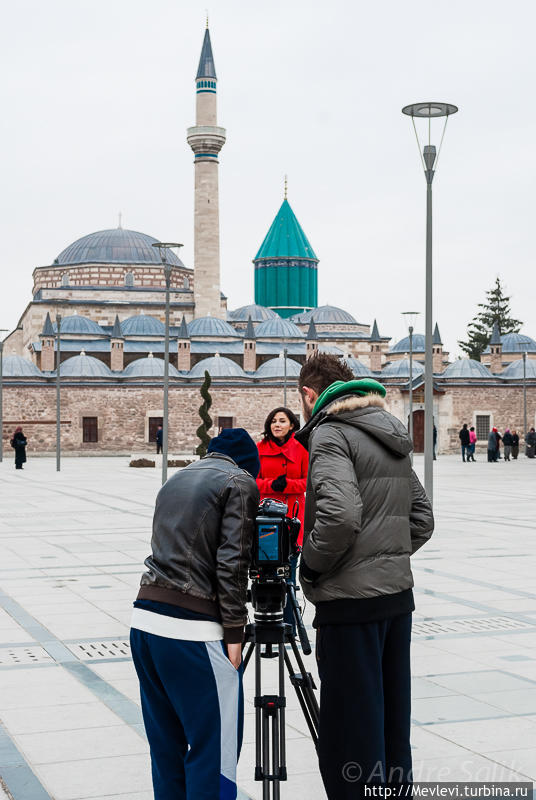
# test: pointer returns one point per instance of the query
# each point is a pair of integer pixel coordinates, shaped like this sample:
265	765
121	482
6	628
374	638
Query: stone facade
117	275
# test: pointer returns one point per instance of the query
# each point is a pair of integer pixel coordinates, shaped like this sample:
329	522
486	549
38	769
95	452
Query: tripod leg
304	687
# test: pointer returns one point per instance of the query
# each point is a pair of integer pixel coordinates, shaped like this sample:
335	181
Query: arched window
129	279
65	279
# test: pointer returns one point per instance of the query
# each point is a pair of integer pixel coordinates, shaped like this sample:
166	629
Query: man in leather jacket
365	515
188	621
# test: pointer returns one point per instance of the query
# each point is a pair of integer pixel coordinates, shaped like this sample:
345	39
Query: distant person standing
465	440
492	446
498	440
18	443
472	444
159	439
530	443
508	441
435	442
515	445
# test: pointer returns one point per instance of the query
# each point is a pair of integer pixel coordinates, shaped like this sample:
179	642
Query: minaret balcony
206	140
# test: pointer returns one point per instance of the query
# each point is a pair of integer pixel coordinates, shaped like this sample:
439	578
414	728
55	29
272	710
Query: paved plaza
72	548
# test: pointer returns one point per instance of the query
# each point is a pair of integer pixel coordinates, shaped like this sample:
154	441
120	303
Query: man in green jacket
365	514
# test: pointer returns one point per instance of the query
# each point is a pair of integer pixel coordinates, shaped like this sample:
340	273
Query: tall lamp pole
58	393
163	248
429	158
524	394
285	353
411	317
2	330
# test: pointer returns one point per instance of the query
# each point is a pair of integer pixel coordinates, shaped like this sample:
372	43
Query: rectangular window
483	426
154	423
225	422
90	429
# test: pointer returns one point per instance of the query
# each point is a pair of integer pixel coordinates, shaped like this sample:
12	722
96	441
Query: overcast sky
96	96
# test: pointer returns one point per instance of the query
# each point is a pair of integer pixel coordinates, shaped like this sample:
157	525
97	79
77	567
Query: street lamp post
429	158
524	395
285	353
411	317
163	248
2	330
58	393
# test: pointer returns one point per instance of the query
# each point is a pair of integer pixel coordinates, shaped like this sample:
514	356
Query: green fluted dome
286	238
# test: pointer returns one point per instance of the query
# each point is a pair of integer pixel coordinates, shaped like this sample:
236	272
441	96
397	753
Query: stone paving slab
72	548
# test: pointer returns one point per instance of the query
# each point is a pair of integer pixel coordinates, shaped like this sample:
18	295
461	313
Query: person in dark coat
508	441
492	446
465	440
530	443
159	439
498	440
515	445
18	443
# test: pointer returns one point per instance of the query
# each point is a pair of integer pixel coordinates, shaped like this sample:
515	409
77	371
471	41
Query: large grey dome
516	343
466	368
278	328
256	312
359	369
514	371
403	345
83	366
217	367
115	246
211	326
327	315
142	325
148	368
275	368
17	366
79	324
400	369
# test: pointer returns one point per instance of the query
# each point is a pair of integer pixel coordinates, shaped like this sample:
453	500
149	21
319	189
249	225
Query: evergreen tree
496	308
206	424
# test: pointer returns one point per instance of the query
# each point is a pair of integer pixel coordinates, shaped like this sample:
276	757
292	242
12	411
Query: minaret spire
206	140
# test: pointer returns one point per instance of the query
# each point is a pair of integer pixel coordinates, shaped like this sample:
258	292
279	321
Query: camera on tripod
276	540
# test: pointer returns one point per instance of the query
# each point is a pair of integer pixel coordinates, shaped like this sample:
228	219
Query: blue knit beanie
238	445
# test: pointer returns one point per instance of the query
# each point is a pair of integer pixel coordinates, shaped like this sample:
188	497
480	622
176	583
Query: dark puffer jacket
366	512
201	545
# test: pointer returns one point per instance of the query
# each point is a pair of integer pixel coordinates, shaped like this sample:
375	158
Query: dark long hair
293	419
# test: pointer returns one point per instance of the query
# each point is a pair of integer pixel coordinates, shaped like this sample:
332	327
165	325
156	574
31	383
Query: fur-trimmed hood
366	413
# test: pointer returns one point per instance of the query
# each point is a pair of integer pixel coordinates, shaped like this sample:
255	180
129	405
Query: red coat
290	459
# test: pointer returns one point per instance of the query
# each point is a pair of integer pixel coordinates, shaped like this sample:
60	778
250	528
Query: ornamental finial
286	186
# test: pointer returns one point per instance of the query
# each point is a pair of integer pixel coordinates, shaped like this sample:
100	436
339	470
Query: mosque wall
142	276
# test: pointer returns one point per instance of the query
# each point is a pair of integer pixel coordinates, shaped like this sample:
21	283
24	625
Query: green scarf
339	388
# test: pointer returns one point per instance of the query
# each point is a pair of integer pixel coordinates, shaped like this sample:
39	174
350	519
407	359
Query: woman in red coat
283	474
284	462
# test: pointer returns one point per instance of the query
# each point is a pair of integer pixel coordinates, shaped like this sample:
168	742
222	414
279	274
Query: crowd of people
510	442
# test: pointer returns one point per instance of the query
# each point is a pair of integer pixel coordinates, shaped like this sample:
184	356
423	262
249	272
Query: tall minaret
206	140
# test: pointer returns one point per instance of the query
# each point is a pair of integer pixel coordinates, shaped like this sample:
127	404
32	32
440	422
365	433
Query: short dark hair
293	419
323	369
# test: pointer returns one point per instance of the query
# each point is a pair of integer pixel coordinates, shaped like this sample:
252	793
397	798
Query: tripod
269	631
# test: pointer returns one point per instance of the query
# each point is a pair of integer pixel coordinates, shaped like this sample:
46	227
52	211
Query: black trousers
365	705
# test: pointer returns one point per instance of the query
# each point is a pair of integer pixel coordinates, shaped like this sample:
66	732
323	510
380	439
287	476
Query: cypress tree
496	308
206	423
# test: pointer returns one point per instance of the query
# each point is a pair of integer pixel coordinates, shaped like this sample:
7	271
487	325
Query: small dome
148	368
141	325
17	366
83	366
400	369
516	343
115	246
326	315
217	367
514	371
403	345
210	326
275	368
256	312
359	369
278	328
79	324
466	368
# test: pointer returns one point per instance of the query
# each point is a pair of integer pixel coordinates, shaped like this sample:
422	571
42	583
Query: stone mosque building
109	289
